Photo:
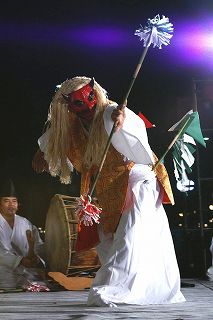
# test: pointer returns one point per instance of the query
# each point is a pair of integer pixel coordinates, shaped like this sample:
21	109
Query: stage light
208	40
193	42
211	207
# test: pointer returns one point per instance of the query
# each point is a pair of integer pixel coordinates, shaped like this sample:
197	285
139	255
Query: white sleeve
39	247
8	257
43	141
131	140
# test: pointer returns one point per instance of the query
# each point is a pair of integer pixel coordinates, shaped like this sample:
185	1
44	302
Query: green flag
190	124
189	131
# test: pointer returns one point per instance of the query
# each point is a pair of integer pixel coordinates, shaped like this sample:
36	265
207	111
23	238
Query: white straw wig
58	126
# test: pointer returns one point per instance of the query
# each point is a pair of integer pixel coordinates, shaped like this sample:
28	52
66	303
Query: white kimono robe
138	263
209	272
13	247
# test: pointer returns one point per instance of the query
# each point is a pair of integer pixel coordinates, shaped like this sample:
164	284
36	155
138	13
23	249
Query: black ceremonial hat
7	188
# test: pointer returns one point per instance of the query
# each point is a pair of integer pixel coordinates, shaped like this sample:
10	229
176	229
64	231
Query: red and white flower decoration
87	212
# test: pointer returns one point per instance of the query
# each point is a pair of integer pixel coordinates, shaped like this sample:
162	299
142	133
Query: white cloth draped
13	247
132	139
139	265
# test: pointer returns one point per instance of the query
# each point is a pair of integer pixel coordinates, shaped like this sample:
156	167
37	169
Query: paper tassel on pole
87	212
158	32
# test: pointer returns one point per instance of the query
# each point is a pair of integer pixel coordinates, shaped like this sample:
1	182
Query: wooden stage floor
68	305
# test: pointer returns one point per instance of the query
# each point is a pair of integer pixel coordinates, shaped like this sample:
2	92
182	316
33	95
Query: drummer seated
21	248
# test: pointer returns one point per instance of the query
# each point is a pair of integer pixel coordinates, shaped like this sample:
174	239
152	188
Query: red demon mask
82	101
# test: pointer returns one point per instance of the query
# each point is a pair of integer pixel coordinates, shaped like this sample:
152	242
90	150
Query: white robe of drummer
139	265
13	247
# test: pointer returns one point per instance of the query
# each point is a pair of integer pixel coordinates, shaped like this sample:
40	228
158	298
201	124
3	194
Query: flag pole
172	143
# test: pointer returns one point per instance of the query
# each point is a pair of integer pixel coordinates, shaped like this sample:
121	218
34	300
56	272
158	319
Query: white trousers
138	264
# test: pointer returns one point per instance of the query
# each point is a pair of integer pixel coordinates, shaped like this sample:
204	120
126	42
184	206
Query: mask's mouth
87	114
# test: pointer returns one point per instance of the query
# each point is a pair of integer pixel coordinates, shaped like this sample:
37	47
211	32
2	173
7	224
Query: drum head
57	235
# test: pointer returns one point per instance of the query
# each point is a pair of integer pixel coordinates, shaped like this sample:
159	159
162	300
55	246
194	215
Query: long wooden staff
123	104
157	32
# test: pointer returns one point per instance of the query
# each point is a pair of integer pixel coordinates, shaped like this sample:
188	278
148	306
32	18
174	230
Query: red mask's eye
78	103
91	96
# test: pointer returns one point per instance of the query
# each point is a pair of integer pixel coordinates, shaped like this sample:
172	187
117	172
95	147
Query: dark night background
45	42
